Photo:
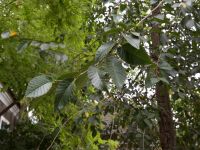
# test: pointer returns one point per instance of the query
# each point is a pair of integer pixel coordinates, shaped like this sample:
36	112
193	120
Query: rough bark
166	125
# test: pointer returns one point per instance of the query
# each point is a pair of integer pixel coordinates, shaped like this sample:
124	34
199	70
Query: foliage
112	69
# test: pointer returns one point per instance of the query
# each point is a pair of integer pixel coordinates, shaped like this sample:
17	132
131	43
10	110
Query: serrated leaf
103	50
94	76
134	41
64	93
116	71
133	56
38	86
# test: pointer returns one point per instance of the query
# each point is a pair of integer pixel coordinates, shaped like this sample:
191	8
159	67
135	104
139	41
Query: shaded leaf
133	56
81	80
148	123
38	86
188	22
153	2
160	16
164	39
164	80
64	93
112	31
165	66
152	81
117	18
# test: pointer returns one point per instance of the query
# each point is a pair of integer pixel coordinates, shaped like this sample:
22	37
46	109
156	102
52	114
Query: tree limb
151	12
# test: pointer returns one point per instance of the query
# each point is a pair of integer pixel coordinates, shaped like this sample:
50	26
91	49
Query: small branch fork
141	21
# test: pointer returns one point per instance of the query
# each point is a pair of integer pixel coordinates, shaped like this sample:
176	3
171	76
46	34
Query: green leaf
164	39
152	81
94	76
116	71
81	80
153	2
38	86
165	65
23	45
133	56
164	80
134	41
55	132
112	31
64	93
188	22
103	50
148	123
169	1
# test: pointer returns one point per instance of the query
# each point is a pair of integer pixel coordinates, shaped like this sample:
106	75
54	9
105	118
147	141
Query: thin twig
60	130
139	73
150	12
143	140
41	142
10	3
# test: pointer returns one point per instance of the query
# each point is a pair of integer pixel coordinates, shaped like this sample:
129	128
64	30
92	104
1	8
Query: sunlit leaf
94	76
134	41
38	86
103	50
116	71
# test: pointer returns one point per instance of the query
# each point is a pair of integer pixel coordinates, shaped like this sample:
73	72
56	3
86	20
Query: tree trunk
166	125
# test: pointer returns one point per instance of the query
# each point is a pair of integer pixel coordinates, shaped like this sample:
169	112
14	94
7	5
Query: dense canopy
111	74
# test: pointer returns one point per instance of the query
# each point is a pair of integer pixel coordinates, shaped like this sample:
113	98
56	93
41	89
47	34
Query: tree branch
151	12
